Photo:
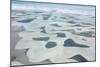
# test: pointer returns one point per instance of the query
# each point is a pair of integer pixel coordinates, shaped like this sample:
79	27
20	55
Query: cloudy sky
87	2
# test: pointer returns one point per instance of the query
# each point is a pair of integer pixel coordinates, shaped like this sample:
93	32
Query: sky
87	2
53	5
